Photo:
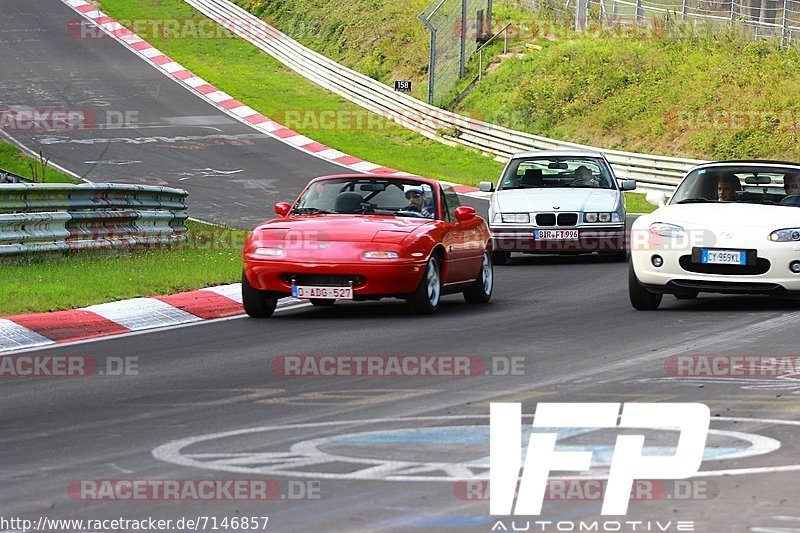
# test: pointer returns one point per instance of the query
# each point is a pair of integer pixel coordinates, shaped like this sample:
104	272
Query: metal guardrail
654	172
10	177
63	217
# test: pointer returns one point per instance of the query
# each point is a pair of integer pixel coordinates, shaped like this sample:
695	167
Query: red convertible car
367	237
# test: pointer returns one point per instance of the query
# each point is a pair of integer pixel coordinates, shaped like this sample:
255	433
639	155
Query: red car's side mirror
282	209
465	213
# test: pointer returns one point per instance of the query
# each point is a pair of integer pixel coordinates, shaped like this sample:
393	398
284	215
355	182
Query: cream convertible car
731	228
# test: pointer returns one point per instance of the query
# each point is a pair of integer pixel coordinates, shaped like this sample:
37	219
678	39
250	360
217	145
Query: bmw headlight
663	229
785	235
603	218
516	218
269	252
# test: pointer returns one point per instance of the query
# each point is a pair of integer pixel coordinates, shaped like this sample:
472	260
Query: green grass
55	281
669	90
246	73
51	282
635	203
668	95
17	162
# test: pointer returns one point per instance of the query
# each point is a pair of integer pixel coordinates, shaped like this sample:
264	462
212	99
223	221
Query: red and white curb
227	103
21	332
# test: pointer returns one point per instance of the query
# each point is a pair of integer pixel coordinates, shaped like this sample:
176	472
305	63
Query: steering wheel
792	199
584	181
408	211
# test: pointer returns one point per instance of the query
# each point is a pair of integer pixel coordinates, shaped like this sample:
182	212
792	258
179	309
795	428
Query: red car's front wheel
425	299
257	303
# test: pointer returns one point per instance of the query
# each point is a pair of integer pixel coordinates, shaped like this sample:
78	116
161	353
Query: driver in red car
416	202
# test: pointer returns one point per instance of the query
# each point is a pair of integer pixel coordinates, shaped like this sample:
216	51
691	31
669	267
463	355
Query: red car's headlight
269	252
379	254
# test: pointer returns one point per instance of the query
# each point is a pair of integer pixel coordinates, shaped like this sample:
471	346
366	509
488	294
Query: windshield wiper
697	201
310	211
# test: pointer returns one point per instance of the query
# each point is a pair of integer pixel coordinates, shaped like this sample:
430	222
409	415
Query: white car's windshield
557	172
368	196
767	184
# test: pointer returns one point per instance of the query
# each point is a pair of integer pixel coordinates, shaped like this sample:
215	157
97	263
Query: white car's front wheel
641	298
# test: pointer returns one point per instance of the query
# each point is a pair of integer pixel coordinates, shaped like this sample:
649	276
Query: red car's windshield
369	196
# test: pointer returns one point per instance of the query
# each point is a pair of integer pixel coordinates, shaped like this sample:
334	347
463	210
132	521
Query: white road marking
307	453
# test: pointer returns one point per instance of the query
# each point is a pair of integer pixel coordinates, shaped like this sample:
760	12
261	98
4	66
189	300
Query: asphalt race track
362	453
150	129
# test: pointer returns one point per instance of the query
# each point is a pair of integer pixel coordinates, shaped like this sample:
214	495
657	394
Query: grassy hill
677	90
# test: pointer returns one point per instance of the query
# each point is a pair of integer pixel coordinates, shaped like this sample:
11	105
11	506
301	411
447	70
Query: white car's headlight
270	252
591	218
663	229
516	218
785	235
379	254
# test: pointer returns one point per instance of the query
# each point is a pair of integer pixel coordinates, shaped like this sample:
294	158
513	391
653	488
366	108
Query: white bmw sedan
731	227
557	201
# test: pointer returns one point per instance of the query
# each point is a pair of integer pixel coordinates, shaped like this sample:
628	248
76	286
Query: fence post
581	14
639	11
432	59
684	9
489	29
785	23
463	60
733	10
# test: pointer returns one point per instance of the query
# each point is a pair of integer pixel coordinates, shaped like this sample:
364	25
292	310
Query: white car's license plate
323	293
724	257
555	235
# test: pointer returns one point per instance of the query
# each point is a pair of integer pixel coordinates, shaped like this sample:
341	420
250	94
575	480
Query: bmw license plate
724	257
305	292
555	235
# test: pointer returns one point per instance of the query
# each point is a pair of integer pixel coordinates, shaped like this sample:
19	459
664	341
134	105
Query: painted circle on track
451	452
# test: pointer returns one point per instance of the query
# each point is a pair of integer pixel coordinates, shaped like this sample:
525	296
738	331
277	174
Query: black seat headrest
348	202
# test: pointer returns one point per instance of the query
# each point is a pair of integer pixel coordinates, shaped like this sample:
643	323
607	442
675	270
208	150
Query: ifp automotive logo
628	463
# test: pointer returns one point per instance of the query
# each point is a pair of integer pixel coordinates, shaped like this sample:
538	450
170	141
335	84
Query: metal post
785	22
489	19
639	11
733	10
505	40
463	61
581	14
480	64
685	8
432	60
614	10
